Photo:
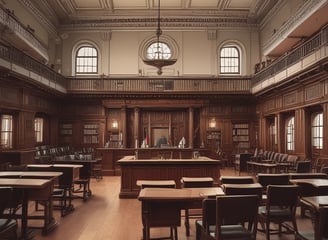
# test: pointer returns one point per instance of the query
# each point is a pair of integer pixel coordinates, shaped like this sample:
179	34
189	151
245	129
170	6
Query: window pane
159	51
317	131
86	60
6	131
38	128
229	60
290	134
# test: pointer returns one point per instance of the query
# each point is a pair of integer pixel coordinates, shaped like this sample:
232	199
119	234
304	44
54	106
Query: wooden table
28	187
30	174
156	169
312	186
162	206
307	175
315	202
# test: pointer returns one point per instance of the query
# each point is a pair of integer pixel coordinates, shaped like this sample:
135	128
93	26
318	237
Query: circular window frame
164	39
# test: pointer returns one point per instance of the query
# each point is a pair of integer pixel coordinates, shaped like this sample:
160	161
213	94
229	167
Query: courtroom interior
111	110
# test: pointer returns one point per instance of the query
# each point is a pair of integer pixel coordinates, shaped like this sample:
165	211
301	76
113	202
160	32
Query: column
136	127
191	127
123	121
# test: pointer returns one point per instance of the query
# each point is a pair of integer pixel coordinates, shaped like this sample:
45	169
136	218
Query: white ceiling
178	13
64	11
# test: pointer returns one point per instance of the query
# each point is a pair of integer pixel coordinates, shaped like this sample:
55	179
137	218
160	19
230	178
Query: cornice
166	23
42	19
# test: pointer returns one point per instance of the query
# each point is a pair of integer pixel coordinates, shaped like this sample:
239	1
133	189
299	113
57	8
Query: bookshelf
240	136
66	133
213	139
90	133
115	139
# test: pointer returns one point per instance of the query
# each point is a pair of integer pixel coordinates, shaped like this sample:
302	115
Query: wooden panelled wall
183	117
301	99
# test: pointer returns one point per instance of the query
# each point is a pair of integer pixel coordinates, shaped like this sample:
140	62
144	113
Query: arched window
229	60
38	129
317	131
158	50
86	60
6	131
290	134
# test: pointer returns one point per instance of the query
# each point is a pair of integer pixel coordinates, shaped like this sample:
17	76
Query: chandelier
159	60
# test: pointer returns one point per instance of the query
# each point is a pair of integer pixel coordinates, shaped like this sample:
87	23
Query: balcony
23	36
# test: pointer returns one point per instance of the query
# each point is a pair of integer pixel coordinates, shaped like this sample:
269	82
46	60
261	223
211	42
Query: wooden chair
8	226
280	207
233	219
62	192
194	182
236	179
303	166
243	189
160	184
266	179
206	225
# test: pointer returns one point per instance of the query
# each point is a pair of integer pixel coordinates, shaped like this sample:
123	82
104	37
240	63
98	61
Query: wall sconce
115	124
212	123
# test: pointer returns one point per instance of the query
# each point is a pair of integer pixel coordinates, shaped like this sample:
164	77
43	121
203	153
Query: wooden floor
106	217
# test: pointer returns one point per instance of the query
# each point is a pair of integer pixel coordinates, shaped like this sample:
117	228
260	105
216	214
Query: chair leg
187	225
267	230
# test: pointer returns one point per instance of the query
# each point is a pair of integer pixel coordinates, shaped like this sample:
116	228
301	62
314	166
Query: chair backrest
243	189
5	199
283	195
303	166
197	182
231	210
266	179
323	222
66	179
236	180
209	213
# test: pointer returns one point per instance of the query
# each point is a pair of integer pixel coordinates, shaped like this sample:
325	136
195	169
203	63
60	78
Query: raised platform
156	169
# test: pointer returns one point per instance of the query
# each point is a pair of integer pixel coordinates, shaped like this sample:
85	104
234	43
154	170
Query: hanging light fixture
159	58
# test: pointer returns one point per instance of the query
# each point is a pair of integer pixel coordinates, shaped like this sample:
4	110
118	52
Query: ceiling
66	11
68	15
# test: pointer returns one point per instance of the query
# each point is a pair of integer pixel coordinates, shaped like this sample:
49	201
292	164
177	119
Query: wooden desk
307	175
173	169
261	167
312	186
32	174
28	187
162	206
315	202
47	167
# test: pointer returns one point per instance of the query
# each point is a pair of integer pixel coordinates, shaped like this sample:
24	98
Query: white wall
197	54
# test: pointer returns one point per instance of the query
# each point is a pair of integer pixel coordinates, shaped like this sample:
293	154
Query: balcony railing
202	85
25	33
292	57
15	56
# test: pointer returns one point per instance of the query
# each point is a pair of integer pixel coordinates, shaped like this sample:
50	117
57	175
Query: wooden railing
292	57
201	85
15	56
